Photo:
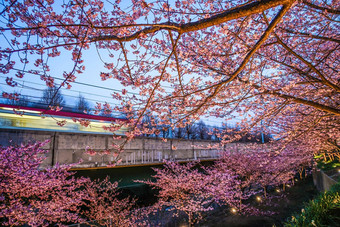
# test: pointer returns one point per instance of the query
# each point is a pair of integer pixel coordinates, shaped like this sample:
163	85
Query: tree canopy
274	62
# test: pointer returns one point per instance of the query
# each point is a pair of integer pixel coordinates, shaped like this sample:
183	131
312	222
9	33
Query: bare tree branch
329	10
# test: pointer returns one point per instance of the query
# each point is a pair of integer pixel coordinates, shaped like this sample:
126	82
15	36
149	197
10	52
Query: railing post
54	144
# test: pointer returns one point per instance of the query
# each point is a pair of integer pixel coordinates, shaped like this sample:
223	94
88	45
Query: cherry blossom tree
227	188
242	168
103	206
41	197
298	157
33	196
241	174
234	180
30	195
273	63
182	188
277	60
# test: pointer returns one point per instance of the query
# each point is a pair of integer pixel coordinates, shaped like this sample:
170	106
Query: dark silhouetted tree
82	105
52	97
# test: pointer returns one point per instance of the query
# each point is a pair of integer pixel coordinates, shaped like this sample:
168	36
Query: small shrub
322	211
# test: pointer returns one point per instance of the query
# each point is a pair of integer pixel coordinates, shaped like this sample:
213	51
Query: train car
30	118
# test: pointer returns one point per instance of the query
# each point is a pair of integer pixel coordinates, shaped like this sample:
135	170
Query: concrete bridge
66	148
68	143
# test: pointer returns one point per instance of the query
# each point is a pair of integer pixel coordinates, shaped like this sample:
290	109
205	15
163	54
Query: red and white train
31	118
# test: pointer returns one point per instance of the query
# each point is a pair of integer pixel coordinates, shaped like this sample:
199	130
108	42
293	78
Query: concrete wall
322	181
66	148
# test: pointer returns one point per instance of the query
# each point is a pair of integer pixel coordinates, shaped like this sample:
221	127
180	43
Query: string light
258	198
233	210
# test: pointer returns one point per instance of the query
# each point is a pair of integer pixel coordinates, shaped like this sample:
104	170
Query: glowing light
258	198
277	190
233	210
26	111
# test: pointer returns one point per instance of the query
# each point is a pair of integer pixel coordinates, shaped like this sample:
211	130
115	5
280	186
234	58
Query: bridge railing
144	157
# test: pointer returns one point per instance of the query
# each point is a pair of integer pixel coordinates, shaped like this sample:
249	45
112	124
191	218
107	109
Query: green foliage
322	211
328	165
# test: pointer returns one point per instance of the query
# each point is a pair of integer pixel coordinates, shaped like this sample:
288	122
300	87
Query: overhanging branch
238	12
